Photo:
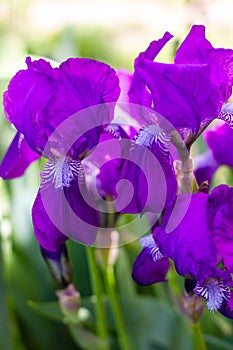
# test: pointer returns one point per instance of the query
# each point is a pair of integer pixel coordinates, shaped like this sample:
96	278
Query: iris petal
226	309
47	234
221	225
18	157
196	49
182	93
189	245
40	98
138	92
65	206
26	98
218	139
150	171
146	271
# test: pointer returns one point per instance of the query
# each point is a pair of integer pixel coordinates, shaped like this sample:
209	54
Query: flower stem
198	339
102	329
120	324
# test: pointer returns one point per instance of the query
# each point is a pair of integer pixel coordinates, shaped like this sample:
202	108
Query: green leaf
86	339
5	334
153	324
214	343
49	309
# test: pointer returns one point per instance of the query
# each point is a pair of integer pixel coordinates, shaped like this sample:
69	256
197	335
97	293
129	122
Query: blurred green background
113	32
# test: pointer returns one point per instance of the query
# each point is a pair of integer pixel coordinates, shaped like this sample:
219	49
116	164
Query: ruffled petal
182	93
83	83
147	271
196	49
18	157
28	94
138	92
40	98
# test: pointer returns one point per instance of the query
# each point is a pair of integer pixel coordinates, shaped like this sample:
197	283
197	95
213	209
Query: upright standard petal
82	84
138	92
184	94
26	98
18	157
196	49
40	98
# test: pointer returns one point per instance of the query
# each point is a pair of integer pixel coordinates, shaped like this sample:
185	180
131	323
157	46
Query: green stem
198	339
11	331
102	329
120	324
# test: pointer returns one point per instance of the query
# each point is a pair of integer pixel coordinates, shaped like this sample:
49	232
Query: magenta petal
84	83
125	79
146	271
149	171
221	224
47	234
138	92
86	90
205	166
219	138
40	98
190	246
181	93
18	157
67	205
196	49
28	94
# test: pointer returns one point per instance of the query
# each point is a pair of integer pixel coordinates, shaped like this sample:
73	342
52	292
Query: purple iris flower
200	245
190	92
218	139
38	100
184	96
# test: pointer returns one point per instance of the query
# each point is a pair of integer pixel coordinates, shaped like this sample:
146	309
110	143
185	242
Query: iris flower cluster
169	107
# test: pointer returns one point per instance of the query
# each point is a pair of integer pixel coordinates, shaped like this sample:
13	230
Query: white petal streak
149	243
214	291
61	172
